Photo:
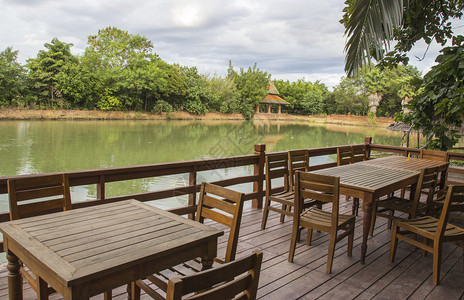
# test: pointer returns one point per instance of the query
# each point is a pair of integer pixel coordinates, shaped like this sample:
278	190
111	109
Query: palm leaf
370	28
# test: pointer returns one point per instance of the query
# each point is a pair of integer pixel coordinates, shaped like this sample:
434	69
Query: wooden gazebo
272	98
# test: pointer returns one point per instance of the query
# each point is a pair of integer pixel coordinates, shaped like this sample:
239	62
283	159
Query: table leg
208	260
366	225
15	287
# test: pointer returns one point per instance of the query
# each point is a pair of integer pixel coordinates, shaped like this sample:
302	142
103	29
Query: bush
162	106
196	107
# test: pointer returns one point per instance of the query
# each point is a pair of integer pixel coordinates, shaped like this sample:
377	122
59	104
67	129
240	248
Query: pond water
29	147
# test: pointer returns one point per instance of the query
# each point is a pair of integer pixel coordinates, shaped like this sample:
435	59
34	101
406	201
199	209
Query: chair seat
321	218
283	197
400	204
427	226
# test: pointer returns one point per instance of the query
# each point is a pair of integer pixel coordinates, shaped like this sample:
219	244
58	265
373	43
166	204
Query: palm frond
370	28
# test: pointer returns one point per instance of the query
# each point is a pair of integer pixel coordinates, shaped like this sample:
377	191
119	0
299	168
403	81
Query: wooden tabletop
403	163
106	244
368	178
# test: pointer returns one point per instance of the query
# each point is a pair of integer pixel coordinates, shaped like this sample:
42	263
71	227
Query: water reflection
53	146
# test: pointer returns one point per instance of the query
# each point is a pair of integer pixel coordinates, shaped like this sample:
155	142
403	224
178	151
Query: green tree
313	102
12	75
45	69
197	96
223	95
127	71
438	109
252	86
372	25
349	96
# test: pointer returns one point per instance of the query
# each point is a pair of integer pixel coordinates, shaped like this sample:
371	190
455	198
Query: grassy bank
17	114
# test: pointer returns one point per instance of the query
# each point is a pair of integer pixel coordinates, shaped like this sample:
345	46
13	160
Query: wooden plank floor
409	277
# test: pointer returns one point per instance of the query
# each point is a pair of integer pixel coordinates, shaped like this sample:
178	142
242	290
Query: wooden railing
100	177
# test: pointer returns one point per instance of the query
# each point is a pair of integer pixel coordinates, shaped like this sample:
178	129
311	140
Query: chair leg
134	291
390	221
282	216
437	250
330	255
295	233
108	295
350	240
265	214
355	207
394	242
310	235
42	289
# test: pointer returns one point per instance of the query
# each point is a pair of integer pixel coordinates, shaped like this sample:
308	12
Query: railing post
260	149
368	142
101	187
193	197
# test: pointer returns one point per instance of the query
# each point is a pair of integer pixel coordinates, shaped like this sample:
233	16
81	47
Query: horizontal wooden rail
100	177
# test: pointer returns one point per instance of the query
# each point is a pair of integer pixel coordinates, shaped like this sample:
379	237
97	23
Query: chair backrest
298	160
317	187
434	155
359	153
277	167
234	280
453	202
344	155
29	196
224	206
425	185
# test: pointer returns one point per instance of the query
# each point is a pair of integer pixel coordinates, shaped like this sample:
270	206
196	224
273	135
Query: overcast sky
290	39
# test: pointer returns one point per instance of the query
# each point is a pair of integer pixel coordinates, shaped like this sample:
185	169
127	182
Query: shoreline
20	114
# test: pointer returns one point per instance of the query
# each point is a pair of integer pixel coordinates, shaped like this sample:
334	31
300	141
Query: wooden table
372	179
88	251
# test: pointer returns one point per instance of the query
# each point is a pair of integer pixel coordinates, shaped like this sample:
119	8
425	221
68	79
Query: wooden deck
409	277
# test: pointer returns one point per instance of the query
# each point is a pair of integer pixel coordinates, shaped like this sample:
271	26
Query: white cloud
289	39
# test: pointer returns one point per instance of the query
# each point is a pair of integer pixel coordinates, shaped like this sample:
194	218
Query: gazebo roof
272	89
272	97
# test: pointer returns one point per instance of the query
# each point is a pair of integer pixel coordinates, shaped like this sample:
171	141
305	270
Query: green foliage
46	68
252	87
438	109
300	94
126	65
197	97
372	25
12	78
109	102
162	106
223	95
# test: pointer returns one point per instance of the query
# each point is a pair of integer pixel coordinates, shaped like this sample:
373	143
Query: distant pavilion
272	98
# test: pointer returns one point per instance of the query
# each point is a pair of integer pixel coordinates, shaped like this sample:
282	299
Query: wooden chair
277	167
434	155
438	156
431	229
234	280
216	203
35	195
413	207
346	156
359	153
298	160
325	189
